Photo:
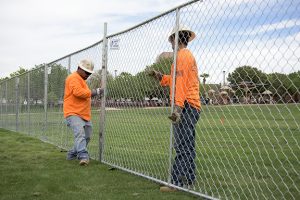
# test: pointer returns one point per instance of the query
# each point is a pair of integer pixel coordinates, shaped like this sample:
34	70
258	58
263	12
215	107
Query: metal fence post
69	65
17	103
1	99
45	96
103	85
6	100
28	101
173	93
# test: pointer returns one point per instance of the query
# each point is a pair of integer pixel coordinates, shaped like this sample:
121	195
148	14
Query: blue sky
35	32
263	34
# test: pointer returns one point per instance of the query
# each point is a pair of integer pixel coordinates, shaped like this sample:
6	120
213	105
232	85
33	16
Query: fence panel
55	131
9	104
247	137
36	101
137	130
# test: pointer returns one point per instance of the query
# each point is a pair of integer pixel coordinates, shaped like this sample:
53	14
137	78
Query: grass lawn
243	151
31	169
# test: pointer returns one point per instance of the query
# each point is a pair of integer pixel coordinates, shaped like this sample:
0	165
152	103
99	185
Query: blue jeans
183	170
82	133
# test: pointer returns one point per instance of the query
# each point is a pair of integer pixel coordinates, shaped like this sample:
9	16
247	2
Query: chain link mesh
247	137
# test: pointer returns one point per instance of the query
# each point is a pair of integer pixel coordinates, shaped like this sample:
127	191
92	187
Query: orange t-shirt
187	82
77	98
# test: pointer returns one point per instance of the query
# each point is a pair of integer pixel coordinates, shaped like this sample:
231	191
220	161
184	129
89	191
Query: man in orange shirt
186	108
77	109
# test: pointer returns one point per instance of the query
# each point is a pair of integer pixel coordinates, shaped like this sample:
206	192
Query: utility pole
223	78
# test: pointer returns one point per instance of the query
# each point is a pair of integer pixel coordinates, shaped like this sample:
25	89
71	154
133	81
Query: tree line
137	87
279	84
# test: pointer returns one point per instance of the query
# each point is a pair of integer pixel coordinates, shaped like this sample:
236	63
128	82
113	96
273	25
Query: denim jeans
183	170
82	131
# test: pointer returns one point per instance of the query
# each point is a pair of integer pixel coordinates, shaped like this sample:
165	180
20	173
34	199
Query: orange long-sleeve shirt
187	82
77	98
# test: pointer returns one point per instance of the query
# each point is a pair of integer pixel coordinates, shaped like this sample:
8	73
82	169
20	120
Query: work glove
97	92
155	74
176	115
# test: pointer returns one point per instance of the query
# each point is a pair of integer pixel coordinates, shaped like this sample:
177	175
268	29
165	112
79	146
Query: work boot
84	162
167	189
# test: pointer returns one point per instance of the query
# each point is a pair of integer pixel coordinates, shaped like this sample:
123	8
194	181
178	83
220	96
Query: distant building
164	55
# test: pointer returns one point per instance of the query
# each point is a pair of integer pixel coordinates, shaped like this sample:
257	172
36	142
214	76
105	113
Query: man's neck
181	46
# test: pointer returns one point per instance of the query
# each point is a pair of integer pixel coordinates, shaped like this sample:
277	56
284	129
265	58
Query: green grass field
31	169
243	152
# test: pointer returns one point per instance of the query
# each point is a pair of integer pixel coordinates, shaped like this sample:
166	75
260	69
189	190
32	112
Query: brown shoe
167	189
84	162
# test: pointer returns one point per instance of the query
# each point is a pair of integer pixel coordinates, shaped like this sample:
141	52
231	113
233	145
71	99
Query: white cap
182	28
87	65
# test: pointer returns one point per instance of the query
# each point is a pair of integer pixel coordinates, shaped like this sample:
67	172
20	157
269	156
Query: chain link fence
247	137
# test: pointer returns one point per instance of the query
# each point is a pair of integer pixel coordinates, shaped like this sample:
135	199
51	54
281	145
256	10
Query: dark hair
183	36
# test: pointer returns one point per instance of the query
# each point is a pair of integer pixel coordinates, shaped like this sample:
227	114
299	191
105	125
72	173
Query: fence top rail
109	36
129	29
37	67
154	18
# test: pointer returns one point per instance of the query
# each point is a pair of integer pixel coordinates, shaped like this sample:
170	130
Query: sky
35	31
229	34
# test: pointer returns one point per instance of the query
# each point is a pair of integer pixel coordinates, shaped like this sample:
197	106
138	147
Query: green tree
3	79
204	76
140	85
56	82
37	77
19	72
151	86
247	74
294	82
278	84
52	98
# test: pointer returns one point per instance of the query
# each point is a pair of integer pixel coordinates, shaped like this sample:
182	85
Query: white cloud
284	24
274	55
45	31
34	32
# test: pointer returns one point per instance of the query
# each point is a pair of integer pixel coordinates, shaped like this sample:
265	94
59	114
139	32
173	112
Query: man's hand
176	115
155	74
97	92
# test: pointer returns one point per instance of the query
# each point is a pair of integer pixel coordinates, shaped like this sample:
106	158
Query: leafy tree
52	97
124	86
56	82
278	83
247	74
3	79
19	72
294	82
141	85
204	76
94	81
152	86
37	83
